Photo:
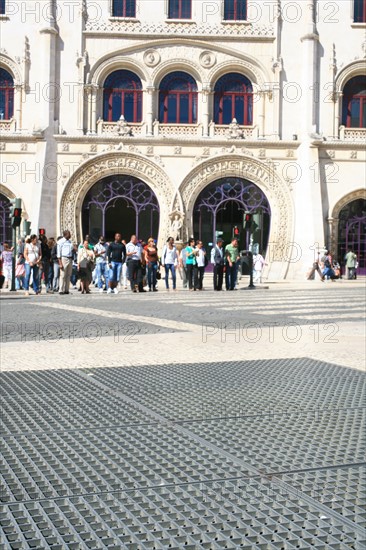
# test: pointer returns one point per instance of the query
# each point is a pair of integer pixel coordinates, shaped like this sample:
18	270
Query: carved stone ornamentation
24	147
261	174
176	225
207	59
331	154
122	127
262	154
121	162
353	155
151	58
234	131
2	147
177	150
290	154
93	148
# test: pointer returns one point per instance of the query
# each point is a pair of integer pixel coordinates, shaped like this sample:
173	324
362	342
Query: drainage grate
189	458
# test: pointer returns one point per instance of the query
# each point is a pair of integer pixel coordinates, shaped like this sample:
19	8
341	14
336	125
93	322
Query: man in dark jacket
116	255
218	261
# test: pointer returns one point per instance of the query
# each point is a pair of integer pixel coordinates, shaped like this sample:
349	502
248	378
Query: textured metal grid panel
128	450
67	464
208	516
341	489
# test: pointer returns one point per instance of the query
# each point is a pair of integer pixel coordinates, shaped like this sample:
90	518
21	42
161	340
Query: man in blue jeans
232	257
100	251
116	255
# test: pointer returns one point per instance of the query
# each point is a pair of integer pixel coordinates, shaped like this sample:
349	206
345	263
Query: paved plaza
184	419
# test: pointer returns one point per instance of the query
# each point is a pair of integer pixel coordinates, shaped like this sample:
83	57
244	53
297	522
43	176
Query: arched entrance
352	232
221	206
5	222
120	203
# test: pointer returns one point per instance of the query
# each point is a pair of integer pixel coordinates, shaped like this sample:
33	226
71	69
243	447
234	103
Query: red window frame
359	11
110	91
238	7
128	8
182	7
7	88
192	99
348	98
220	95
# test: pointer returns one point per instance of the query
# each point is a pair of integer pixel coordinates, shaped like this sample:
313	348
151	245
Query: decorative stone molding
113	163
336	210
352	134
261	174
170	29
207	59
151	58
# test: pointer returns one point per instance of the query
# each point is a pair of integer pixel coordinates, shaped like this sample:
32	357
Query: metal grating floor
262	454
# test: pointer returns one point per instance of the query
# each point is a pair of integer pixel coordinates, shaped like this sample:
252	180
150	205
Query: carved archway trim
109	164
350	197
8	63
6	191
261	174
355	68
334	220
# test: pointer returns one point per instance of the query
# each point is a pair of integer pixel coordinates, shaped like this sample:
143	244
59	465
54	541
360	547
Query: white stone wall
298	59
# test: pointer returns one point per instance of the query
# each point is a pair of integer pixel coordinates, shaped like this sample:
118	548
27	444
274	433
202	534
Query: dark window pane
184	109
227	110
241	10
239	109
2	7
124	8
186	9
229	10
363	121
359	11
116	106
249	120
355	113
128	107
173	9
172	108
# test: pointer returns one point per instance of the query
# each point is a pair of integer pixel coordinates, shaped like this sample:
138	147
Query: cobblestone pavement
184	420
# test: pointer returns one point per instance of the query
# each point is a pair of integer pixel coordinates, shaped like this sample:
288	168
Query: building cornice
338	144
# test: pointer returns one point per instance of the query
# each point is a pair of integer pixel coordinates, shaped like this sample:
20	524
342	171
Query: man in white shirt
218	261
64	256
199	268
133	255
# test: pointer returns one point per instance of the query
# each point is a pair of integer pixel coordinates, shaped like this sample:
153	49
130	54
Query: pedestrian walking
116	256
258	265
190	261
45	262
218	261
199	268
316	268
152	263
169	259
182	265
351	262
32	255
7	261
64	256
85	266
100	251
134	266
231	264
20	272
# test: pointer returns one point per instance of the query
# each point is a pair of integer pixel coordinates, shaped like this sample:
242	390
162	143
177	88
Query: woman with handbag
151	259
32	254
85	266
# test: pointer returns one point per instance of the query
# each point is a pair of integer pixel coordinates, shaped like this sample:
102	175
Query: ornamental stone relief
151	58
170	29
261	174
207	59
109	164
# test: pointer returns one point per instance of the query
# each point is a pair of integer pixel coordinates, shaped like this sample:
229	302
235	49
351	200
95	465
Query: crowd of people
329	269
58	265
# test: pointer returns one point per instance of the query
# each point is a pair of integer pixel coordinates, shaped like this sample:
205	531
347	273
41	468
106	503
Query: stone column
149	109
18	94
94	100
261	113
206	108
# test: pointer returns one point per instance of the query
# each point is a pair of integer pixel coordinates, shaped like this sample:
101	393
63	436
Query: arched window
122	96
180	9
233	99
178	99
235	10
124	8
359	11
6	95
354	103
